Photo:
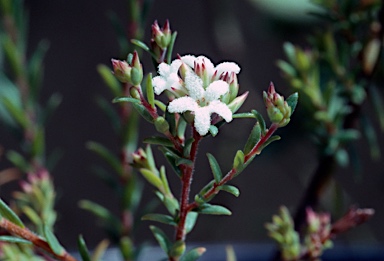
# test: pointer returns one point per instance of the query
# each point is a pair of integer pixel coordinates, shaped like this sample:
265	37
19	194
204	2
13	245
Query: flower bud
277	108
121	70
235	105
140	159
161	36
129	72
161	125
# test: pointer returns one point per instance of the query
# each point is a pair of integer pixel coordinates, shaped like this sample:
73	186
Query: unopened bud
140	158
161	125
235	105
121	70
161	36
277	108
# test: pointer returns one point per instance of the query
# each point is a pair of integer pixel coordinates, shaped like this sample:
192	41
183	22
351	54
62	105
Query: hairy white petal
227	67
183	104
202	120
159	84
194	85
221	109
175	65
188	60
215	90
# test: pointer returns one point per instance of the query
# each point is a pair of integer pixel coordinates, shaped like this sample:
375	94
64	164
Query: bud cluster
130	71
278	110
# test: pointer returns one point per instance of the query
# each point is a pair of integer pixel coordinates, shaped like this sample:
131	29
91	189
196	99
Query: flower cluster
201	88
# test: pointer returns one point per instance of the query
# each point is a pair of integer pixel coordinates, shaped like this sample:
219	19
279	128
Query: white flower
202	102
224	67
168	78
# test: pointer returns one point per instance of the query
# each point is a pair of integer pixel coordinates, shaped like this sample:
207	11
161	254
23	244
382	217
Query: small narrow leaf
104	153
215	167
109	79
140	44
83	249
261	121
126	99
187	147
253	138
191	221
213	130
177	249
161	238
53	242
231	189
158	141
213	210
7	213
269	141
238	161
18	160
165	219
292	101
183	161
16	240
143	112
150	91
194	254
152	178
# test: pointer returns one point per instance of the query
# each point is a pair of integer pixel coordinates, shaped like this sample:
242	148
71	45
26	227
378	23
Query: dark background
81	37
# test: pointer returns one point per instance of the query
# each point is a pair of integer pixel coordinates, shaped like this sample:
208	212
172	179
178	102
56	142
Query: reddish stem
34	239
230	175
187	172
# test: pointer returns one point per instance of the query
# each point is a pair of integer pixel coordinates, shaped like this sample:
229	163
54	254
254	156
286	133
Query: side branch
34	239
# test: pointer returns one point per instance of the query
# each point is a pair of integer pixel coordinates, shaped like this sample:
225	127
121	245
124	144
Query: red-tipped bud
162	36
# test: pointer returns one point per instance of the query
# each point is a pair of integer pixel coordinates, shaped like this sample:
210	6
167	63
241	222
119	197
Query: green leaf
170	117
126	99
143	112
109	79
213	130
261	121
7	213
213	210
98	210
155	140
287	69
15	240
130	131
165	219
18	160
53	242
171	204
292	101
140	44
242	115
53	102
10	92
183	161
215	167
150	91
190	221
378	104
177	248
171	158
152	178
269	141
170	47
290	52
35	68
83	249
230	189
161	238
163	177
238	161
187	147
108	156
16	112
194	254
253	138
